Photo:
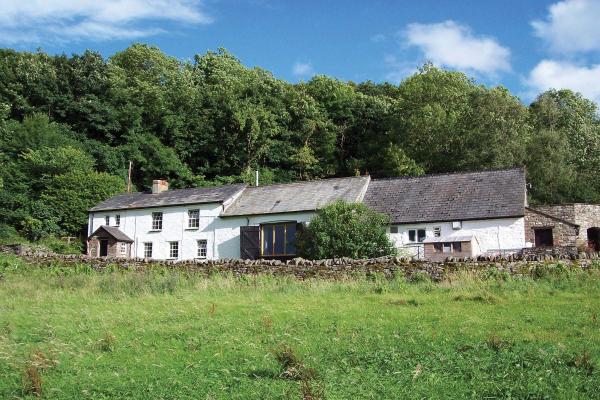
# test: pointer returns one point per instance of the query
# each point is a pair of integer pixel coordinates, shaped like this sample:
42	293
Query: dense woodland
69	125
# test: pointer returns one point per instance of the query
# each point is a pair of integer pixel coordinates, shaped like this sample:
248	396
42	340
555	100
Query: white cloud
571	26
33	21
399	70
549	74
303	69
452	45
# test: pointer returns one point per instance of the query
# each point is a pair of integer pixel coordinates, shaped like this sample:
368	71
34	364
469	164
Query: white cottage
231	221
457	214
433	216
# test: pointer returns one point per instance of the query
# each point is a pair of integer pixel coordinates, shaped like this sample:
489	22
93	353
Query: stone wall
328	269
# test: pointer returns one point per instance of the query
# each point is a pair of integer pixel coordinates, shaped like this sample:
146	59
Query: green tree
346	230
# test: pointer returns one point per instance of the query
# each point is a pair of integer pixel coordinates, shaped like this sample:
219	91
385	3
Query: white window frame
437	231
173	250
202	248
148	246
157	221
117	220
123	249
193	222
416	231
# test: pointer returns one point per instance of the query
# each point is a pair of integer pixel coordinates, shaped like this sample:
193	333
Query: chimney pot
159	186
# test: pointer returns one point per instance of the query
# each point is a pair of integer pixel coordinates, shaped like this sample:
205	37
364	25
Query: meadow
75	333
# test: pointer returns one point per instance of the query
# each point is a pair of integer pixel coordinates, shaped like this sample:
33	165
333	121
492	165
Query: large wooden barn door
250	242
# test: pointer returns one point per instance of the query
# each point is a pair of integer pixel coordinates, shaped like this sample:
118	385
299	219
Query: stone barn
575	226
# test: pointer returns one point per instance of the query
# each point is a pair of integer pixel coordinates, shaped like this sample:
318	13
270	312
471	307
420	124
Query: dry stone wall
329	269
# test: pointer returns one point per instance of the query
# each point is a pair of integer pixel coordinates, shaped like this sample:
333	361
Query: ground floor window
278	239
148	250
173	249
416	235
123	249
448	247
543	237
202	247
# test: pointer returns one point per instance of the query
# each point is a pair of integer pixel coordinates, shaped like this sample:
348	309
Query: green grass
76	333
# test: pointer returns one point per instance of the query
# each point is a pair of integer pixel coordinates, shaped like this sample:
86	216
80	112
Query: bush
346	230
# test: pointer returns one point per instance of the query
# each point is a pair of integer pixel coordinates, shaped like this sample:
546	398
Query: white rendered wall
222	234
489	234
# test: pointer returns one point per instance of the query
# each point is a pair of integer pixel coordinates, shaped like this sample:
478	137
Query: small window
393	229
157	220
173	249
193	219
202	247
415	235
447	248
456	247
123	249
117	220
437	231
107	220
148	250
438	247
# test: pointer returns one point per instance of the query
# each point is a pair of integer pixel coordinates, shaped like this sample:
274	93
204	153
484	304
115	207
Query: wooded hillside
70	125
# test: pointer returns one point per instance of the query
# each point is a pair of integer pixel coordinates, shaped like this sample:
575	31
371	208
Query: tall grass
164	333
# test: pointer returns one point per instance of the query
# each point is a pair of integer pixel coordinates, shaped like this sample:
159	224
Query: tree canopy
211	120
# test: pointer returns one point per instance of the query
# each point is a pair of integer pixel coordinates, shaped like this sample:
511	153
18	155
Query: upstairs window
202	247
437	231
393	229
157	220
174	250
148	250
193	219
416	235
107	220
278	239
117	220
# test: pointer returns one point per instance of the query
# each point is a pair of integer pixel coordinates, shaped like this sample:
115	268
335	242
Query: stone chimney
159	186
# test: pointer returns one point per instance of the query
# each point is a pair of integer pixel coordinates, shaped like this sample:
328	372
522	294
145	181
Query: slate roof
298	196
216	194
114	232
450	197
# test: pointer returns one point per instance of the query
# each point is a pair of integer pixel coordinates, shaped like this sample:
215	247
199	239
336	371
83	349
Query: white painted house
464	214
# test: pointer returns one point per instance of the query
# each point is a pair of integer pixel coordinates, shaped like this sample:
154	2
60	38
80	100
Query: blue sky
527	45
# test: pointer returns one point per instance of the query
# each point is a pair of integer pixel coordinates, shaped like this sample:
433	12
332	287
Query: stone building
109	241
574	225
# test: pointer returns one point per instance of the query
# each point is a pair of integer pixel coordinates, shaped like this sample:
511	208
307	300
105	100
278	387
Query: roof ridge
406	177
306	182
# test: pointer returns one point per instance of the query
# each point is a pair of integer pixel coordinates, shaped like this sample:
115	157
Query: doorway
103	248
543	237
593	237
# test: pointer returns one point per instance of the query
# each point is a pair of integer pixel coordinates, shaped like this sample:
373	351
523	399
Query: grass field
68	333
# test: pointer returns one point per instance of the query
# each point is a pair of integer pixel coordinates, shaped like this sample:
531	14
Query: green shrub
346	230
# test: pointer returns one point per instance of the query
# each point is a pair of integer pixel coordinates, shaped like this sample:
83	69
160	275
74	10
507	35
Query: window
157	220
437	231
543	237
193	219
418	234
117	220
451	247
173	249
278	239
202	246
393	229
123	249
107	220
148	250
